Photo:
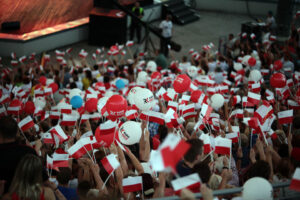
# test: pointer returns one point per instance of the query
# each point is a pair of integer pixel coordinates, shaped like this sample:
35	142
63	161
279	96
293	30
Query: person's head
88	74
64	176
168	18
27	181
230	36
137	4
259	169
8	129
82	189
203	171
194	154
184	59
270	13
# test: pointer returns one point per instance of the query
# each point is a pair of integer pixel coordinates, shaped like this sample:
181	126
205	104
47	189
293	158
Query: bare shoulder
49	194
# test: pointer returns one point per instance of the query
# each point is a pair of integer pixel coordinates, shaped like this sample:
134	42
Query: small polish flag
81	147
293	105
189	115
69	50
244	35
68	120
58	131
60	158
272	38
94	56
272	134
188	109
295	182
59	59
26	123
169	153
131	114
255	87
47	138
263	112
110	163
13	55
191	51
173	105
153	116
205	112
233	136
285	117
222	146
59	53
22	59
191	182
253	98
271	99
83	53
14	110
199	125
2	111
32	56
14	62
4	99
252	36
98	51
252	122
129	43
49	161
207	147
265	72
54	115
237	113
290	82
132	184
67	109
107	127
185	99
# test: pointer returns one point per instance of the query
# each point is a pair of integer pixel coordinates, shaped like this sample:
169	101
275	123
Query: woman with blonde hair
27	183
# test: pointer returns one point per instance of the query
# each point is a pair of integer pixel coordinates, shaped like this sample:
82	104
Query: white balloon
130	133
142	76
131	94
151	66
255	75
257	188
192	71
74	92
40	102
217	101
237	66
144	99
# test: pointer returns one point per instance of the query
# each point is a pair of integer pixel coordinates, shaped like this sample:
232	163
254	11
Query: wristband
225	167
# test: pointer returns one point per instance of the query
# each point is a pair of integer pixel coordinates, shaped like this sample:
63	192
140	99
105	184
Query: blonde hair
27	181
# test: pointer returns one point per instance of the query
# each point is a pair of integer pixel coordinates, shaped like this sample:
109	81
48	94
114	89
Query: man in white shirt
166	27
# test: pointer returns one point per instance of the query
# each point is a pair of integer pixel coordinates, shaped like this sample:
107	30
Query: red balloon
116	106
195	96
91	105
43	80
251	62
278	80
182	83
155	143
29	107
277	65
54	87
155	75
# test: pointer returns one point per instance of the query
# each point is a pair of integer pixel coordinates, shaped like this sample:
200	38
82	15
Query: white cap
257	188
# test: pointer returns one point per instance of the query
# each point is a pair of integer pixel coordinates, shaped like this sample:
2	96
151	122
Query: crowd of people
139	129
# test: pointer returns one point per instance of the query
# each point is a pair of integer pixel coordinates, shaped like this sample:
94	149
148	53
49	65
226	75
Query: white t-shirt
166	27
184	66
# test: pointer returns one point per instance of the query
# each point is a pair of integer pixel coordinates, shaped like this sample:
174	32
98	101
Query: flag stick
106	181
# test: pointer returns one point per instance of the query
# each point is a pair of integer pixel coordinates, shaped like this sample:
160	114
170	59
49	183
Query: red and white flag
82	146
58	131
169	153
254	98
199	125
60	158
222	146
59	53
22	59
237	113
233	136
295	182
68	120
14	110
129	43
47	138
207	147
108	127
110	163
131	114
191	182
54	115
205	112
26	123
132	184
66	109
263	112
173	105
153	116
285	117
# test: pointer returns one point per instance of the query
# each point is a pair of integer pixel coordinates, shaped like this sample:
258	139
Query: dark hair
83	188
96	67
194	151
259	169
296	122
283	168
148	185
8	127
64	175
203	171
